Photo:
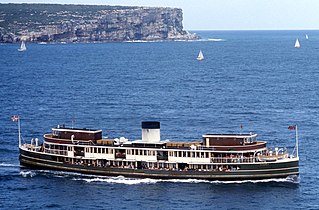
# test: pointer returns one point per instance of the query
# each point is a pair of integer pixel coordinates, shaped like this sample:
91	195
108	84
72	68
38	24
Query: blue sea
252	78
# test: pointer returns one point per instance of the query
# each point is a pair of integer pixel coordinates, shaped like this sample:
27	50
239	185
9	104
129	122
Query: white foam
209	40
290	180
118	180
216	40
130	181
8	165
133	181
142	41
28	173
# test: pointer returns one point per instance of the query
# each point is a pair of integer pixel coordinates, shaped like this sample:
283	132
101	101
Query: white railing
233	160
56	151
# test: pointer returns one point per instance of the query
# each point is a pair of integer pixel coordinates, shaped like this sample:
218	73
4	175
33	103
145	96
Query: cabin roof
79	130
247	135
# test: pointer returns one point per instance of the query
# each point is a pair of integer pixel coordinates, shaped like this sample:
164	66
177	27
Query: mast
19	130
16	118
297	140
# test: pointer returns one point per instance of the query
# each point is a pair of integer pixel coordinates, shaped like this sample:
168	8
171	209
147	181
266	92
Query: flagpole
19	129
297	141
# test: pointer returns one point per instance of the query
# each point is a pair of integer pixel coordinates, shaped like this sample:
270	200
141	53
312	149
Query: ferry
216	157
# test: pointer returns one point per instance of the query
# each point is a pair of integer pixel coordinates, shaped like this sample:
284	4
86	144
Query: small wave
216	40
280	180
142	41
8	165
53	205
118	180
210	40
27	174
4	150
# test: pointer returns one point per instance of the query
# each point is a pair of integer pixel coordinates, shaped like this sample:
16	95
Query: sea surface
254	78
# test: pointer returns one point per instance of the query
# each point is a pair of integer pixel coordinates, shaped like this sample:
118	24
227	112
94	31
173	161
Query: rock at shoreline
88	23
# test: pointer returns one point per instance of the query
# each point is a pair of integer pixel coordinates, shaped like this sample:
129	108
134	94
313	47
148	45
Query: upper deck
229	139
65	135
214	142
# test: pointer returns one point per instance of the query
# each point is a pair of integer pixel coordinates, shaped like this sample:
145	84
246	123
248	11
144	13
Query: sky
226	14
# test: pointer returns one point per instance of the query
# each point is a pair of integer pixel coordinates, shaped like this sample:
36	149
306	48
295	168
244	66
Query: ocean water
254	78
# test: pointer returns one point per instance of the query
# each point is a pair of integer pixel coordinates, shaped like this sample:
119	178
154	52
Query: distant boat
297	44
307	36
22	47
200	56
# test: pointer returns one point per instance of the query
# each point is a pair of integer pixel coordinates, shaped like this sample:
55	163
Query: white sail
22	47
200	56
307	36
297	44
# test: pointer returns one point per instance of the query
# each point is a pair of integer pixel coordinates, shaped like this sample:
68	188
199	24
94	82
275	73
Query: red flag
15	118
291	127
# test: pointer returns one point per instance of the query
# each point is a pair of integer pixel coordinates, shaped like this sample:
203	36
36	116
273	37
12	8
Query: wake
135	181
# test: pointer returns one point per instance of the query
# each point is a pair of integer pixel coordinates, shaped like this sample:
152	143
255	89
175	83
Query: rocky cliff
88	23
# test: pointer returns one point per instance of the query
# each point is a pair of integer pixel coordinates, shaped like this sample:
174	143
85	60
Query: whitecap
28	173
117	180
216	40
8	165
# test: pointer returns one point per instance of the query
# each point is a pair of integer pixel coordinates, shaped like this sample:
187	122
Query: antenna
73	120
241	128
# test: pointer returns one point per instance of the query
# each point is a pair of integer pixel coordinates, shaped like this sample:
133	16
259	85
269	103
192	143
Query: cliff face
87	23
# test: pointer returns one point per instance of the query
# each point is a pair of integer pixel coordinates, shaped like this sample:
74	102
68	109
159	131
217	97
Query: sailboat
297	44
200	56
22	47
307	36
